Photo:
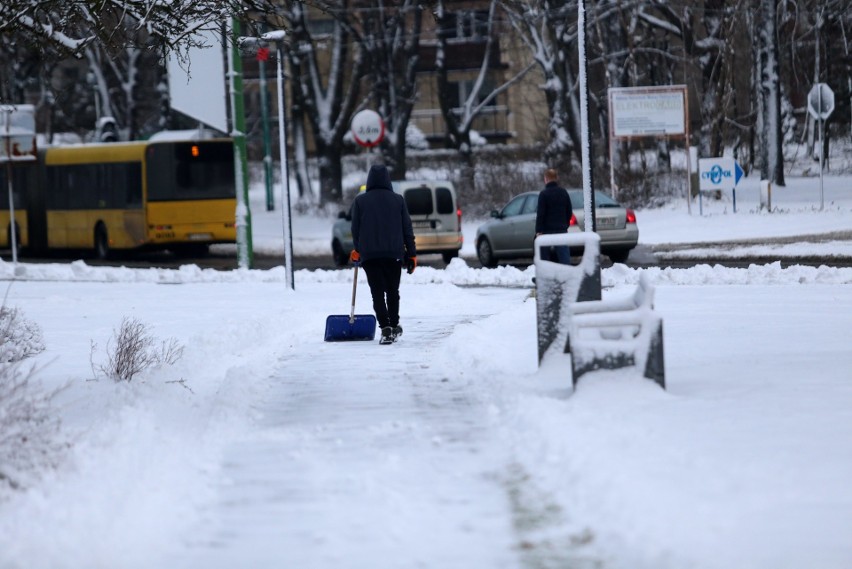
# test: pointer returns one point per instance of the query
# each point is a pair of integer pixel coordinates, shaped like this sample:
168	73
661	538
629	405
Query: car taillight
573	220
631	216
458	215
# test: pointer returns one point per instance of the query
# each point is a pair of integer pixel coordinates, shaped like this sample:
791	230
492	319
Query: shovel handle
354	286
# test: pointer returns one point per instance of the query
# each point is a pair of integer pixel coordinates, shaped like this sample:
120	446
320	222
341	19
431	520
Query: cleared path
391	462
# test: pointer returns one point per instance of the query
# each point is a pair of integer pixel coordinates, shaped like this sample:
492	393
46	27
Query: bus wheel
101	242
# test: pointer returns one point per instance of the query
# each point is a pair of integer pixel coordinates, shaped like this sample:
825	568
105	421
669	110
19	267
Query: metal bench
612	334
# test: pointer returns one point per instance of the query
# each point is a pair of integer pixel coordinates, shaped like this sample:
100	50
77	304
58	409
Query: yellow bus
175	195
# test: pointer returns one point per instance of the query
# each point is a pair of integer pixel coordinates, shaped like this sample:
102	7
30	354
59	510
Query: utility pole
586	146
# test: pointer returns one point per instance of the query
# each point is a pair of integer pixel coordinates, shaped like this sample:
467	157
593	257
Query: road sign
368	128
821	101
17	133
718	173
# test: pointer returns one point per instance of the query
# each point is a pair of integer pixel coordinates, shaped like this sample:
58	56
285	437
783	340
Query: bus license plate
200	236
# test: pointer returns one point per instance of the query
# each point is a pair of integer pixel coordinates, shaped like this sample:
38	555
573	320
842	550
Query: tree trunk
770	93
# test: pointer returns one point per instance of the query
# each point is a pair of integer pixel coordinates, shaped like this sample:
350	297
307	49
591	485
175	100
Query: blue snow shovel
340	327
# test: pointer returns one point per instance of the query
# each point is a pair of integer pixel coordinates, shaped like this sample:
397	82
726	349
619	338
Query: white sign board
368	128
718	173
17	133
200	91
647	111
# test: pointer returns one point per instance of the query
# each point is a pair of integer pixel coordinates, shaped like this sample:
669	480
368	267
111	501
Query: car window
531	205
514	207
601	199
444	200
419	201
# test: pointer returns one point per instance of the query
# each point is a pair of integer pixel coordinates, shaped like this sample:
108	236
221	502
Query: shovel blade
339	328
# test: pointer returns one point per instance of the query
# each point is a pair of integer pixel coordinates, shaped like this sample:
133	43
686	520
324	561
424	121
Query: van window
444	199
419	201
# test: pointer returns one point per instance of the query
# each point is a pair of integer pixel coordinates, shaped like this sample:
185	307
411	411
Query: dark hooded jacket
381	226
554	209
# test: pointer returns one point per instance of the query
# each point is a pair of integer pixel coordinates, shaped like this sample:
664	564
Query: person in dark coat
554	214
384	243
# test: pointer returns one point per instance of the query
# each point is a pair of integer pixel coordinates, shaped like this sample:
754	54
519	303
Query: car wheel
485	253
618	255
449	256
341	259
101	242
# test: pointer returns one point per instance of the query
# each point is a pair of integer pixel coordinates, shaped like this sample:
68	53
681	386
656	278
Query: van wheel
341	259
486	253
101	242
449	256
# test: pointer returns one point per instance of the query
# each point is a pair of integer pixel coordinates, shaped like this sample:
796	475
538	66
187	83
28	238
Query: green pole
245	258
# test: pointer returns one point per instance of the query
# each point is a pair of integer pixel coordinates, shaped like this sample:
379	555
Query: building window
461	90
468	25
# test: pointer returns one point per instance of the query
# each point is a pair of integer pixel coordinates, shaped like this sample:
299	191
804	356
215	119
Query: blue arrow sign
718	173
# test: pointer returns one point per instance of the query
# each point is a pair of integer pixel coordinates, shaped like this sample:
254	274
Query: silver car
511	232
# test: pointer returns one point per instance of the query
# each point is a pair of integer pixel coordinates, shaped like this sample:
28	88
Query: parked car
435	218
511	232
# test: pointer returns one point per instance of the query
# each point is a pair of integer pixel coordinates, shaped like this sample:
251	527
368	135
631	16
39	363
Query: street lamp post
250	45
278	37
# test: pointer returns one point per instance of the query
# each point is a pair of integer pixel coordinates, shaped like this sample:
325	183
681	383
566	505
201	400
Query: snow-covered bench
611	334
559	286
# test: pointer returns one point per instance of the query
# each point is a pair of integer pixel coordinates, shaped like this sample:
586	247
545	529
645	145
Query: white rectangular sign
199	92
718	174
17	133
647	111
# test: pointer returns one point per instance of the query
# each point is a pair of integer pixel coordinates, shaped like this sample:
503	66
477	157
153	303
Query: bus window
191	170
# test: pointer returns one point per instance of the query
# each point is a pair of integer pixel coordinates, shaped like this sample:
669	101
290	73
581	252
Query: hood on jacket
378	177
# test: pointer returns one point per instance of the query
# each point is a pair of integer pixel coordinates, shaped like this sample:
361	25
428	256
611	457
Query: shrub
19	337
132	350
29	428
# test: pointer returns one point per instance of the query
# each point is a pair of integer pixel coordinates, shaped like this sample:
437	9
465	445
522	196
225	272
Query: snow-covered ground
264	446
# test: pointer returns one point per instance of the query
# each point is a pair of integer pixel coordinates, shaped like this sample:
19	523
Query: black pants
383	276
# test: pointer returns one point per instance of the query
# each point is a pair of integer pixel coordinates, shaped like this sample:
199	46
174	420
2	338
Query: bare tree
326	96
769	91
549	29
483	90
68	27
391	39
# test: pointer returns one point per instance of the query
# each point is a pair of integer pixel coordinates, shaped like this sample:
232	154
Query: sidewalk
392	458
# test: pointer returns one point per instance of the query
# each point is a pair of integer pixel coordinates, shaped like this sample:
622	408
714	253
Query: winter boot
387	335
397	332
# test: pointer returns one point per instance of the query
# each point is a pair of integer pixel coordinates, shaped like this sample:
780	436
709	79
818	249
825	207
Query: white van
435	218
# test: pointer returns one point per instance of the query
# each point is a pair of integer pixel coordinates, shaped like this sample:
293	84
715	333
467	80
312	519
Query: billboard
647	111
199	91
